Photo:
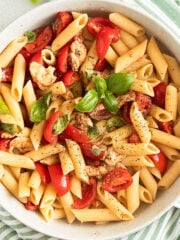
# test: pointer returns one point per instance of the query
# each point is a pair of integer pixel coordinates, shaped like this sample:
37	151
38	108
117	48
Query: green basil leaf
35	1
93	132
110	102
101	86
3	107
119	83
91	73
115	121
39	108
61	124
10	128
88	102
30	35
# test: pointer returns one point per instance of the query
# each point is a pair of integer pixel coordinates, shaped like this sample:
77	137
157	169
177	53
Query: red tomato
160	161
93	163
30	206
37	57
61	21
96	24
70	77
143	102
92	151
100	65
134	138
103	41
159	94
43	172
7	74
60	181
41	41
4	144
62	61
48	129
166	126
25	54
126	111
100	112
76	134
88	195
116	179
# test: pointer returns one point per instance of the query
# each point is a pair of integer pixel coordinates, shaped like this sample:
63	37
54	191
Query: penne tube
171	153
66	162
48	57
130	57
165	138
129	40
29	95
135	149
119	47
59	213
160	114
16	160
137	161
1	171
11	50
36	194
37	134
23	187
171	101
67	201
111	56
34	180
176	127
127	24
47	212
157	58
49	196
76	188
69	32
145	72
170	176
145	195
142	87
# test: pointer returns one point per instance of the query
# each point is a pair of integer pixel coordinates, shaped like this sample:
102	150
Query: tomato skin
166	126
42	40
30	206
7	74
4	144
49	136
144	103
70	77
97	23
37	57
25	54
100	65
159	94
116	179
60	181
134	138
160	161
76	134
62	61
43	172
88	195
61	21
126	111
87	151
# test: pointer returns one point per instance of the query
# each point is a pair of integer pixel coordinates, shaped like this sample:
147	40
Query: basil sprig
31	36
39	108
61	124
116	83
88	102
10	128
115	121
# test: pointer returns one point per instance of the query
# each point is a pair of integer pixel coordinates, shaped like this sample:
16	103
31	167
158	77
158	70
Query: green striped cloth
167	227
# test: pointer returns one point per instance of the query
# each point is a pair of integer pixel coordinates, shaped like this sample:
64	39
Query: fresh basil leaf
61	124
119	83
93	132
39	108
30	35
115	121
88	102
110	102
101	86
10	128
97	151
3	107
35	1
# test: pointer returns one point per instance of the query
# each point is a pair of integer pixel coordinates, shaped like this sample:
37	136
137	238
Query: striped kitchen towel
167	227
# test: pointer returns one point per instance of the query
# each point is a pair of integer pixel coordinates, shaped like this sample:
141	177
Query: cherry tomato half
160	161
30	206
42	40
7	74
166	126
88	195
116	179
70	77
100	65
4	144
134	138
61	21
143	102
42	169
36	57
49	135
62	61
76	134
159	94
60	181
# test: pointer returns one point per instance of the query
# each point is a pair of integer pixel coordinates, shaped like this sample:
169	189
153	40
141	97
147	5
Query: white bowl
147	213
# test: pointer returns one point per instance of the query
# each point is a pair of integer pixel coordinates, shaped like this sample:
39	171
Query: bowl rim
3	35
